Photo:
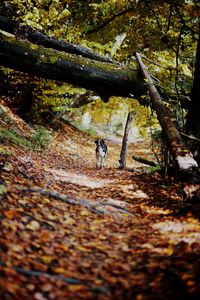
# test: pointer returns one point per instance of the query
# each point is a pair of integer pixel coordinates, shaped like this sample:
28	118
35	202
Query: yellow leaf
192	220
51	217
82	249
46	201
47	259
69	221
33	225
75	288
168	251
93	227
102	237
17	248
84	213
59	270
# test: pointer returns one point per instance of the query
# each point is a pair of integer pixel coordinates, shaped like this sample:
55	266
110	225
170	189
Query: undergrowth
37	141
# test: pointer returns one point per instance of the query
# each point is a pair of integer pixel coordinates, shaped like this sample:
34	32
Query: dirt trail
127	235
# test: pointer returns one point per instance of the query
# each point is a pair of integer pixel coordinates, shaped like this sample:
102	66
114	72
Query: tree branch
182	19
107	21
44	40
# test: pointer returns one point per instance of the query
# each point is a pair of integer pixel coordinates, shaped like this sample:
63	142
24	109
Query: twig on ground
144	161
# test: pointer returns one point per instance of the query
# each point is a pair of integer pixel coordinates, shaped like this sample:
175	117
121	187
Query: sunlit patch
78	179
129	190
176	232
156	210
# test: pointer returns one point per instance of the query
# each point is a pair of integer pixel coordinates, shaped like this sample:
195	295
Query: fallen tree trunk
106	79
187	166
44	40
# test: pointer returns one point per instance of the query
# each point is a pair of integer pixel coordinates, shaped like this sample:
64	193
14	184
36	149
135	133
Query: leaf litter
128	234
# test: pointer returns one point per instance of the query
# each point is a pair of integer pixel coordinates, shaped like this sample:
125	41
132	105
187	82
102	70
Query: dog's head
99	142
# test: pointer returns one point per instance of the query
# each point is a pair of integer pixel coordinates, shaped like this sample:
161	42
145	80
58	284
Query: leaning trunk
187	166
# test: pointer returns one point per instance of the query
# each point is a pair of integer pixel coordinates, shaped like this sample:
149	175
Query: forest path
127	234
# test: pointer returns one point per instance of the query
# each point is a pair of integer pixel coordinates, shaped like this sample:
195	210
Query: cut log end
186	162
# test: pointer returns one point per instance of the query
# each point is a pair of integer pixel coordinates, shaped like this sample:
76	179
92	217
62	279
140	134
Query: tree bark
187	166
39	38
122	160
106	79
193	119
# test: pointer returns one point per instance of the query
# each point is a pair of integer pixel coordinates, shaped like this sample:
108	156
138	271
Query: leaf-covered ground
107	234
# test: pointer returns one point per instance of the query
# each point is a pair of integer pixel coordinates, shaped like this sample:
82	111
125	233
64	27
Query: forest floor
69	231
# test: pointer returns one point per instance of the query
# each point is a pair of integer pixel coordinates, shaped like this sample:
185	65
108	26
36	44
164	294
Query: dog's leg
98	162
103	161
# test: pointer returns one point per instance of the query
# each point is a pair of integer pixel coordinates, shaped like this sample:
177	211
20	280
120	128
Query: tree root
64	279
106	206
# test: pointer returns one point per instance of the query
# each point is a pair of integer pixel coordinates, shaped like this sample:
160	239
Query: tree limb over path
106	79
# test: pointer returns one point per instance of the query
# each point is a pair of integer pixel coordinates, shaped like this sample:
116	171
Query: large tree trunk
107	79
193	119
187	166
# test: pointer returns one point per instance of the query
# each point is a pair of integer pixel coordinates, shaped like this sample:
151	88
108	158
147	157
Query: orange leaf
45	236
10	214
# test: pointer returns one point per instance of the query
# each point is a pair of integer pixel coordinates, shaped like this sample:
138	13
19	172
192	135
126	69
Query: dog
101	153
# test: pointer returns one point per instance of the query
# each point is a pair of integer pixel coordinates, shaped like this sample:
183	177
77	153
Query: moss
4	150
37	142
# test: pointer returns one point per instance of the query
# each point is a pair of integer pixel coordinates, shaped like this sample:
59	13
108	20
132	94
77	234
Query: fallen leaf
85	213
47	259
60	270
33	225
10	214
